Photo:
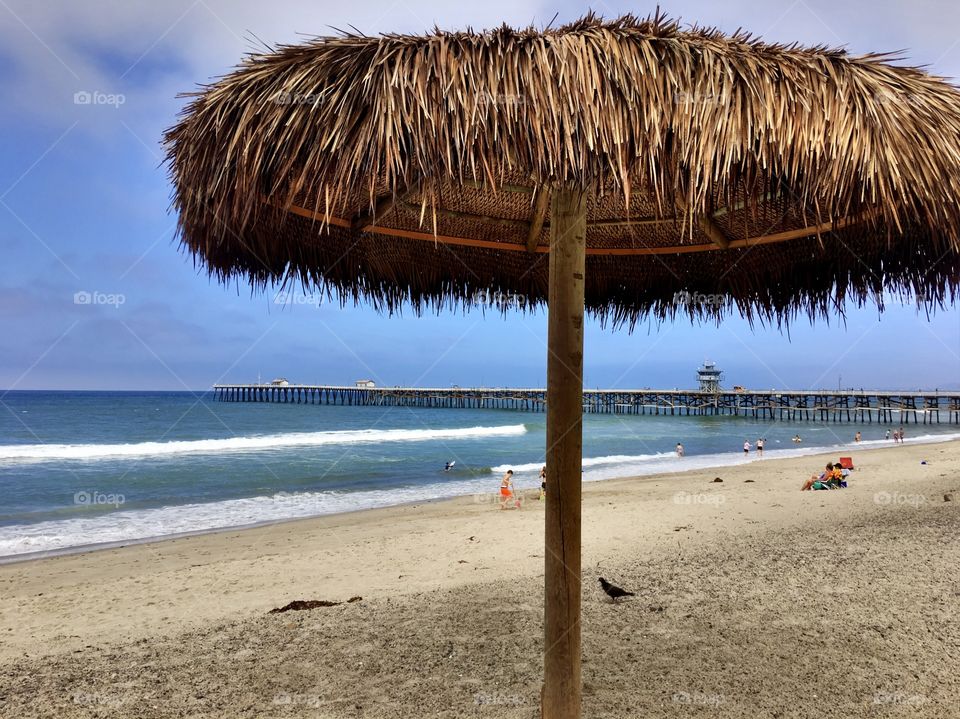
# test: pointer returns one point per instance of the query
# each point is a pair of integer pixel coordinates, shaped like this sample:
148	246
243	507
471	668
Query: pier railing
863	406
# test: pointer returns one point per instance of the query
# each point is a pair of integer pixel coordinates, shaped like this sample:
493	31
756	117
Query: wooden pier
862	406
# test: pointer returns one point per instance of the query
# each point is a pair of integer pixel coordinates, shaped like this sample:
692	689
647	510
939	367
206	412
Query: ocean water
87	468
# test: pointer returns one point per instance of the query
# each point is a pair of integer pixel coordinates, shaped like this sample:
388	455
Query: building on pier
709	377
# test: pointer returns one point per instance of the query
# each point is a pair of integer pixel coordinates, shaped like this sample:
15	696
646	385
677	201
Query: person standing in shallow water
679	449
760	443
857	437
746	447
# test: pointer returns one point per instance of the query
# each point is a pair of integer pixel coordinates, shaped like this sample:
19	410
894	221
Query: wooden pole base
561	660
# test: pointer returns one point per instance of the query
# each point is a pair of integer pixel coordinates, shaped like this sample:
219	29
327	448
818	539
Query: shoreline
122	543
736	460
346	554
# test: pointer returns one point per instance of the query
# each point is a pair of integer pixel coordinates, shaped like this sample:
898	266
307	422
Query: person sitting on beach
507	494
844	475
836	477
818	481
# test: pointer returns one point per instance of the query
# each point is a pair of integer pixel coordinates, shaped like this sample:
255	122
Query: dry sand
754	600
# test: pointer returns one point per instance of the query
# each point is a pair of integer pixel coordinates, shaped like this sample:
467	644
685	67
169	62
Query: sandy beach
753	599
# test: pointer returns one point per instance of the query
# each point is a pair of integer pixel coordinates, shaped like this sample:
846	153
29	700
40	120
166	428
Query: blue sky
84	208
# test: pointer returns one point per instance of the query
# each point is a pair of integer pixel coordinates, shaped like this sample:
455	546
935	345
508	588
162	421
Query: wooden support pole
381	206
707	226
561	661
539	215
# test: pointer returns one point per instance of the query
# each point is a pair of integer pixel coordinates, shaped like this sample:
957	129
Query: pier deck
865	406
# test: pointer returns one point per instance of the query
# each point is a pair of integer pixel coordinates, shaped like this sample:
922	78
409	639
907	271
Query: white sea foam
54	452
133	525
587	462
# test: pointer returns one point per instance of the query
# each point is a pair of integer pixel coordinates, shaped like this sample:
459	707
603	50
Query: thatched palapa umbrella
628	167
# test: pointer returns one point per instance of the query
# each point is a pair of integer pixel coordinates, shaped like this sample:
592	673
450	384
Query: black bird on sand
613	591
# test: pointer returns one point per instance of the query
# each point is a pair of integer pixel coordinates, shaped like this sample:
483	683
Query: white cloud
146	53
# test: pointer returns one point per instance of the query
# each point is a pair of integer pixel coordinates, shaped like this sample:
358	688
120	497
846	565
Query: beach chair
846	462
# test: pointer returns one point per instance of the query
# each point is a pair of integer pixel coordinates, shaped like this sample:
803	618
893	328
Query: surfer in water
449	466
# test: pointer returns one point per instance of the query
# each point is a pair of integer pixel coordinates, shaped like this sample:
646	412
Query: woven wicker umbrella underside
487	243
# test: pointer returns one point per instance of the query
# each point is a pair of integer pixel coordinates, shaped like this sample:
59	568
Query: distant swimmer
796	439
449	466
679	449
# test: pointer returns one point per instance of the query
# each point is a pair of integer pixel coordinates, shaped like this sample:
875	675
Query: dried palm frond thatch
743	175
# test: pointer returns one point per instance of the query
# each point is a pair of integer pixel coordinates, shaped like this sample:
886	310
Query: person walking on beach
760	446
746	447
507	494
679	449
543	482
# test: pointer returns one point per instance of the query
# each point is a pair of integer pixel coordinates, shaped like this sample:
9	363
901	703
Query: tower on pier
709	377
